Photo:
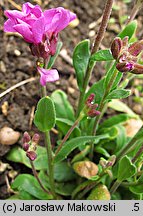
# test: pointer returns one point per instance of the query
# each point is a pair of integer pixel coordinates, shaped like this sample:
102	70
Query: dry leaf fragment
4	108
8	136
132	126
85	169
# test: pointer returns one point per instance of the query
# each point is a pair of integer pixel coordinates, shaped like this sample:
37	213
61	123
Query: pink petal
48	75
13	14
57	19
34	9
38	30
8	26
24	30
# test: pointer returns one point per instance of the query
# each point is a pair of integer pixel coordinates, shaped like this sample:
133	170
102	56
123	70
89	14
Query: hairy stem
36	176
97	42
49	148
138	154
68	134
115	186
102	106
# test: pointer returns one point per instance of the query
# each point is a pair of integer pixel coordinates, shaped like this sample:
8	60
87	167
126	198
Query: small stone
8	136
91	33
17	52
92	25
2	67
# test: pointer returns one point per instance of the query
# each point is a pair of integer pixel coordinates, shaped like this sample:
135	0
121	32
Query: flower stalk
97	42
49	147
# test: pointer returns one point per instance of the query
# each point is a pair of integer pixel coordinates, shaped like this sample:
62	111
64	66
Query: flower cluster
90	107
41	30
30	145
127	56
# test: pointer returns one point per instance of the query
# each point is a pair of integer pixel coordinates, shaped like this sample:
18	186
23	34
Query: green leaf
126	169
45	116
129	30
63	107
81	56
81	155
65	189
98	89
109	74
112	121
63	172
72	144
121	107
121	138
137	189
64	125
17	154
28	183
118	94
53	58
102	55
102	151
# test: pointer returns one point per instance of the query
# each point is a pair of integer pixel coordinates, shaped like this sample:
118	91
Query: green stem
97	42
115	186
102	105
36	176
49	147
126	149
68	134
50	163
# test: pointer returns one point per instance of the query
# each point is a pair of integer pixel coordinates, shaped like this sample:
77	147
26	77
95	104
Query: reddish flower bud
125	67
90	98
125	41
31	155
136	48
26	137
92	113
116	47
138	69
26	146
36	138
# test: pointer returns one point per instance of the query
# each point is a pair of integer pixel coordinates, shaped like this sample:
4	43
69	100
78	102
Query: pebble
2	67
17	52
91	33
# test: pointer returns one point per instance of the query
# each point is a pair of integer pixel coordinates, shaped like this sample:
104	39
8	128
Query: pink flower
37	27
48	75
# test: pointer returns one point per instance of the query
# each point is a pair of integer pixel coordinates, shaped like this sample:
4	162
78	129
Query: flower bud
138	69
26	137
90	98
92	113
136	48
31	155
125	67
116	47
26	146
36	138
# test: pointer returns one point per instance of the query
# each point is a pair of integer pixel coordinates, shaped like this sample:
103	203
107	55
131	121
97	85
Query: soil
17	64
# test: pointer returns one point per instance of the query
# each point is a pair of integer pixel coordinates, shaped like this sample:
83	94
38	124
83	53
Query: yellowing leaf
86	169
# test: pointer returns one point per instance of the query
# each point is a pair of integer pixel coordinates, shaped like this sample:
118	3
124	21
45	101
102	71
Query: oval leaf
81	57
102	55
45	116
